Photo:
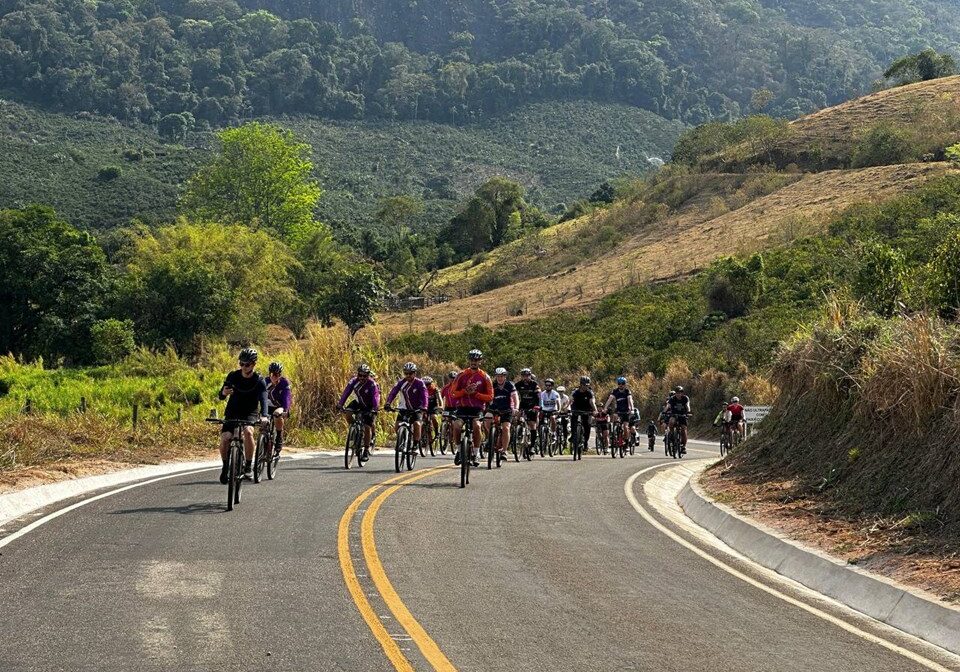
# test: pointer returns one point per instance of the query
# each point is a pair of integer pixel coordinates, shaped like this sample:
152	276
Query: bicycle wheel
444	436
412	456
464	464
633	445
231	476
614	438
352	437
431	439
491	447
273	461
723	444
577	436
237	475
403	435
260	457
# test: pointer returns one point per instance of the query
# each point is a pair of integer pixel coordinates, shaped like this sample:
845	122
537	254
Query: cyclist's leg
504	435
225	445
417	427
476	433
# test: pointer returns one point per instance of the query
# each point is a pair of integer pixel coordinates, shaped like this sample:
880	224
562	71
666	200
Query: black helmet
276	367
584	380
363	370
452	375
248	356
475	355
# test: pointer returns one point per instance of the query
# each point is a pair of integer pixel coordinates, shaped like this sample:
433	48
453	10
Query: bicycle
493	444
578	443
676	446
599	442
405	451
520	438
429	439
563	432
725	439
266	456
235	459
465	451
354	447
444	434
617	440
544	437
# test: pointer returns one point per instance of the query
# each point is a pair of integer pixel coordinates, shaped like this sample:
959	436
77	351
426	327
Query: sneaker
247	469
456	458
224	476
366	454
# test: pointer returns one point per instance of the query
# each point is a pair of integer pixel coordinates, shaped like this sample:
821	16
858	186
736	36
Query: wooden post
83	404
136	415
179	413
213	412
28	407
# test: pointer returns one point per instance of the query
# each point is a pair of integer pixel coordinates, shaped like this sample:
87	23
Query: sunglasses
247	365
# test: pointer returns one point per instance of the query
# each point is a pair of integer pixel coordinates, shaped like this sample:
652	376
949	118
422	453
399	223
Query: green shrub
133	155
111	340
952	154
109	173
880	280
883	145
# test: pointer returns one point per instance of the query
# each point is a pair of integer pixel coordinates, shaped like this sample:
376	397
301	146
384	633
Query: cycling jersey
278	396
367	393
503	396
529	392
564	403
736	412
413	392
679	404
477	399
248	394
582	400
622	397
433	397
550	400
448	401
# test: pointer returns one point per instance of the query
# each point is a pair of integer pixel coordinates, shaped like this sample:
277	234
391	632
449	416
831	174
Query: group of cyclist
470	395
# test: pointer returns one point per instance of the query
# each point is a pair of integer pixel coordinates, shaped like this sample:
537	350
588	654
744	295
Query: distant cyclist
505	403
621	401
434	406
736	418
246	393
564	413
415	399
582	400
278	400
472	391
550	404
528	391
445	390
678	408
366	402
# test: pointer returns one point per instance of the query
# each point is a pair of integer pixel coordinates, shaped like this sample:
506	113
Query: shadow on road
184	509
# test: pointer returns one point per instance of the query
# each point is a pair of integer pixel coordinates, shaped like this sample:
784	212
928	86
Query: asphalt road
540	566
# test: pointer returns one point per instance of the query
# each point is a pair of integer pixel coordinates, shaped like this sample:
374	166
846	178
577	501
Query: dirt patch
900	549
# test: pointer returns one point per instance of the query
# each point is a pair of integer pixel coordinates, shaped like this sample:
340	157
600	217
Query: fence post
136	415
83	404
28	407
179	413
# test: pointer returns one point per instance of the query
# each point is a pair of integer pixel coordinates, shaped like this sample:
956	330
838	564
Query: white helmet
735	400
561	389
500	371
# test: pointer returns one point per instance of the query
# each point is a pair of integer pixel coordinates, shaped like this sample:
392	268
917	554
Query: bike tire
231	480
237	475
403	435
491	449
260	457
272	465
349	452
411	459
464	464
577	434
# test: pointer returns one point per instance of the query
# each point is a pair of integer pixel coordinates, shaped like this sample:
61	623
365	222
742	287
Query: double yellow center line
424	642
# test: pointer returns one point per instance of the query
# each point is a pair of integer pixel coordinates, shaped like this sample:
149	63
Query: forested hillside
185	62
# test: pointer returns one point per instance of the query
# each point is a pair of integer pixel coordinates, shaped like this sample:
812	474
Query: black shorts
529	413
681	420
548	414
625	418
466	412
409	415
365	413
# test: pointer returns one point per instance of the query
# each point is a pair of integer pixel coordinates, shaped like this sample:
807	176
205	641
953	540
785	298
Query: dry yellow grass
677	246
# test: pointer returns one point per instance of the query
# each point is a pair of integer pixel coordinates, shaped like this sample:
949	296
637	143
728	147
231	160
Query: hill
558	152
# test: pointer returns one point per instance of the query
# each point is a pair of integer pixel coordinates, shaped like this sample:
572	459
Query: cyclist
415	399
471	392
445	391
550	404
529	393
736	416
664	417
603	426
678	408
246	393
634	424
434	406
651	434
278	401
582	400
564	414
505	403
366	402
621	400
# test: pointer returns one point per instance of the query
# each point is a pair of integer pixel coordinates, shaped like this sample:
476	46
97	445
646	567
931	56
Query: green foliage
53	282
111	340
881	278
920	67
732	286
261	178
605	193
952	154
943	273
355	299
108	173
757	133
883	145
188	281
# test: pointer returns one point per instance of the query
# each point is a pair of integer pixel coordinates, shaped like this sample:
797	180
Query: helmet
474	355
548	381
500	371
561	389
526	372
427	380
735	400
276	367
363	370
452	375
621	381
672	394
248	356
584	380
409	367
678	389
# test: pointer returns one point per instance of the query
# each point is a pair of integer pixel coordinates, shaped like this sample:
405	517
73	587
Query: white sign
754	414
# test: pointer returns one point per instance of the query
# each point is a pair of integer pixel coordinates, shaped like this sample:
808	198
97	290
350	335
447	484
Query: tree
192	280
881	278
504	198
111	340
355	299
921	67
174	127
761	99
261	178
398	214
53	281
605	193
732	285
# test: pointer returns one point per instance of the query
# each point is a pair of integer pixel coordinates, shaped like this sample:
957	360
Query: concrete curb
912	611
20	503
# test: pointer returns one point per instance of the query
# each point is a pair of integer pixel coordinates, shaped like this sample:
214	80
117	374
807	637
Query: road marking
634	502
427	646
390	648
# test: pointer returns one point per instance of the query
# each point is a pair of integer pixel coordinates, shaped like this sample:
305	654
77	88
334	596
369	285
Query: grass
560	152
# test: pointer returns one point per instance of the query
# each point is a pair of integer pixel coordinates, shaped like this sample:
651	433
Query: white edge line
631	497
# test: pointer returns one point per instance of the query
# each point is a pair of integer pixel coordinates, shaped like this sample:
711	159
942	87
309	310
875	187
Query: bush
133	155
883	145
952	154
109	173
111	340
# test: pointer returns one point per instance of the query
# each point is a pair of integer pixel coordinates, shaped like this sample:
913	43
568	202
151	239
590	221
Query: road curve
539	566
